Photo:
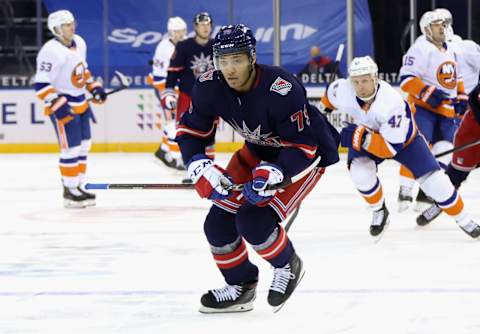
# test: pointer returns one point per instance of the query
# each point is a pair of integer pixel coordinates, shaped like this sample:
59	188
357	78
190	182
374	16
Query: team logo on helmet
447	74
78	76
281	86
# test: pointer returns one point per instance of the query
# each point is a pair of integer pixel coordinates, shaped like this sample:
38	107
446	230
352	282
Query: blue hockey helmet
202	17
236	38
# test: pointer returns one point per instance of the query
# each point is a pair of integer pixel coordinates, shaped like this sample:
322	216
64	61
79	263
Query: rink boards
129	122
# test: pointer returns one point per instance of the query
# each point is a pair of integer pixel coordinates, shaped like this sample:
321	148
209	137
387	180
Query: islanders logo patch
447	74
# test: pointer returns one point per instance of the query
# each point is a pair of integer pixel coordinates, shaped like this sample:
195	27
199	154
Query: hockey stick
405	32
171	186
138	186
458	148
336	65
291	219
124	83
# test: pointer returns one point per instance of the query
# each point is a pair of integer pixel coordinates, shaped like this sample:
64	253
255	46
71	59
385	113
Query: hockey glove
60	109
324	109
99	95
256	191
210	180
461	104
433	96
168	99
353	136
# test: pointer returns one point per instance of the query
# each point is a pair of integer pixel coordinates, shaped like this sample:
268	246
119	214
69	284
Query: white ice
138	262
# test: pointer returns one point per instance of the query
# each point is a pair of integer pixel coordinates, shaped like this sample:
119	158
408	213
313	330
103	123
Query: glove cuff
358	137
197	166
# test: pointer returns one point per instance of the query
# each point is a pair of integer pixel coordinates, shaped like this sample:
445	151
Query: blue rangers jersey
188	62
274	117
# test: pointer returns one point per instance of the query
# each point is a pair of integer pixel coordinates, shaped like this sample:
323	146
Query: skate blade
279	307
232	309
379	237
69	204
89	202
163	163
403	206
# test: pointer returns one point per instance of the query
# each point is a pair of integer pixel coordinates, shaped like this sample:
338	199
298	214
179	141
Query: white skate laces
467	224
281	277
377	217
431	212
228	292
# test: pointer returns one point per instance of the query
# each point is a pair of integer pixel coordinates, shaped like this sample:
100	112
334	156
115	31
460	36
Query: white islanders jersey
62	67
389	114
161	61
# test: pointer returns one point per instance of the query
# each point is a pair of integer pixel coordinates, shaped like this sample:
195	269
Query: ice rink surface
138	262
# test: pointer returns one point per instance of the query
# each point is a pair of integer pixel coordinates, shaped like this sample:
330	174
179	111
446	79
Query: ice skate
165	157
91	197
379	221
469	226
229	299
405	198
429	215
73	198
423	202
285	280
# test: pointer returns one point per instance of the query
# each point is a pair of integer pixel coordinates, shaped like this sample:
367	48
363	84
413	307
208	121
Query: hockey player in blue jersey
288	143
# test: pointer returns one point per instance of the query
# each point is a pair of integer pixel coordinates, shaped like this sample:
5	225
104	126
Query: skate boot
285	280
229	299
379	221
429	215
73	198
404	198
90	201
165	157
469	226
179	164
423	201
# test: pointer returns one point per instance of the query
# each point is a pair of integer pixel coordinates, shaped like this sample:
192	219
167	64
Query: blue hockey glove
433	96
58	105
99	95
210	180
264	175
461	104
353	135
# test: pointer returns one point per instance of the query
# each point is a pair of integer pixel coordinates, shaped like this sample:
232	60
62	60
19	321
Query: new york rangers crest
281	86
207	76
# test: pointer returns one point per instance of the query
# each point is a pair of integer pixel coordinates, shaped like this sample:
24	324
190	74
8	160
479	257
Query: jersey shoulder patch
207	76
281	86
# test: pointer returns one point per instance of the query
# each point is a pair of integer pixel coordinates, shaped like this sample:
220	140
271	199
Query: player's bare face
67	31
364	85
178	35
203	30
236	69
438	31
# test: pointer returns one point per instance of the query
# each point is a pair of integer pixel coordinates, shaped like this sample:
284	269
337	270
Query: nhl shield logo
281	86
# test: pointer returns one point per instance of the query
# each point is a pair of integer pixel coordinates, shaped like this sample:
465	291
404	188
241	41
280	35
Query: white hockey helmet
427	19
447	17
176	23
362	66
56	19
446	14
